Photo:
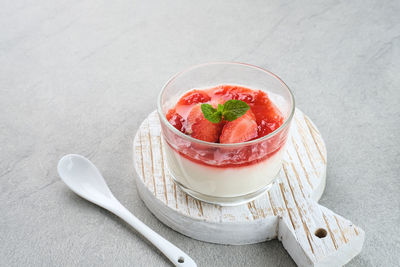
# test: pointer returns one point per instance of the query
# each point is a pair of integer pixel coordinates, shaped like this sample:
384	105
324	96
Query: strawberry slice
176	120
268	127
200	128
227	92
264	109
194	97
240	130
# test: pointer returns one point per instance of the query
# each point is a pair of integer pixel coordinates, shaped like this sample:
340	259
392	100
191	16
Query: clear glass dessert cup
225	174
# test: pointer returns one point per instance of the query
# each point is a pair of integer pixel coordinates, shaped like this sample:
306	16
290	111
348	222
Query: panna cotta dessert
225	143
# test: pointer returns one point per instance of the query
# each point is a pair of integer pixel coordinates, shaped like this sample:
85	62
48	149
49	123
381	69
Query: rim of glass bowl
194	140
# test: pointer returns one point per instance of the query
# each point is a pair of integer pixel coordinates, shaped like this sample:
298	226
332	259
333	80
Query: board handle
315	236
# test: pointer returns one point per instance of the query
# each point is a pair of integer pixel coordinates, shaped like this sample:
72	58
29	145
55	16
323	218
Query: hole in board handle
181	260
321	233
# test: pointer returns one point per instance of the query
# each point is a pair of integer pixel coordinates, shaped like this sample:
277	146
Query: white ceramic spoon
82	177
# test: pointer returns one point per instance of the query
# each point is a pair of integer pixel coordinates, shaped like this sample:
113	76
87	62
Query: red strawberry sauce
263	114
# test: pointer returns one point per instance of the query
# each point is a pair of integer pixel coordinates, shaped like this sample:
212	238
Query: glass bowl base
224	201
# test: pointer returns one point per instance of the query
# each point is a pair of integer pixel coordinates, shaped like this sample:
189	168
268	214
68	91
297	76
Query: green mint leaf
234	109
211	113
230	110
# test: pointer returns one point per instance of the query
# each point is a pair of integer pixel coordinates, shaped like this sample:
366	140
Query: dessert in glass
211	155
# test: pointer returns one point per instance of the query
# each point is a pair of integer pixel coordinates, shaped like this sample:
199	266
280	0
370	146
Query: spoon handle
174	254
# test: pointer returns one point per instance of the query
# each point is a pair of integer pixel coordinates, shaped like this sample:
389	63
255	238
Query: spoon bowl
83	177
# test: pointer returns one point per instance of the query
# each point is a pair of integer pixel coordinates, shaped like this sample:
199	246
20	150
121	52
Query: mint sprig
229	111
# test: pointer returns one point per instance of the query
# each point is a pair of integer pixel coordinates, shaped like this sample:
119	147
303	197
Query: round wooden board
287	211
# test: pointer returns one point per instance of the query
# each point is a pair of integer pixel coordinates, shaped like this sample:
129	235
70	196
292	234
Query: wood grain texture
288	211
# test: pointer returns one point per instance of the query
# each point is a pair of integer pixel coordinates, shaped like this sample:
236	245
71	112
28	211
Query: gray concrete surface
80	76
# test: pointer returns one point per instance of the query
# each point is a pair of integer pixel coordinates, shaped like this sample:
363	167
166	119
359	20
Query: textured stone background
80	76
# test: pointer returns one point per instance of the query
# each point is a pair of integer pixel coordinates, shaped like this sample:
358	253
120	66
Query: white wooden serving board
312	234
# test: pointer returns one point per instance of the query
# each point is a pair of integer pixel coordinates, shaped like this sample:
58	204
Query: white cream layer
223	182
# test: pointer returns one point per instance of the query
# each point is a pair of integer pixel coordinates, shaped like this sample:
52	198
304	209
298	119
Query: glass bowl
224	174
